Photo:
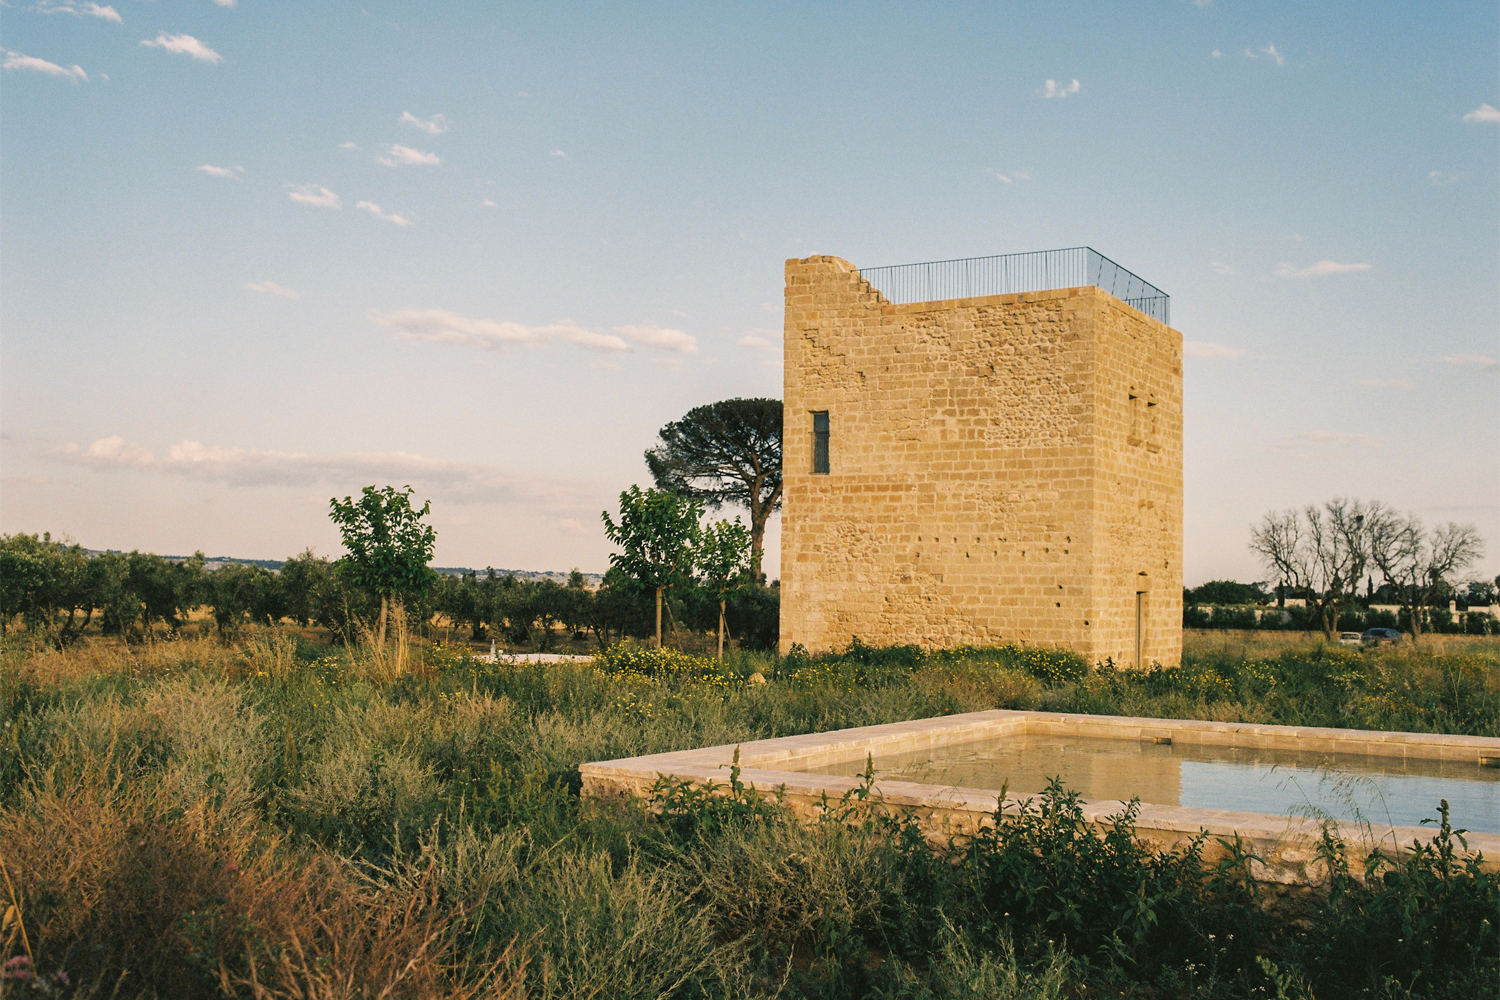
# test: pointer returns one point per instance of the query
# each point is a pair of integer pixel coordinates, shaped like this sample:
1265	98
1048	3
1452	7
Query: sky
253	256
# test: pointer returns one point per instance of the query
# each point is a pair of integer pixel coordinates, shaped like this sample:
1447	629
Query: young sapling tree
656	534
389	545
723	560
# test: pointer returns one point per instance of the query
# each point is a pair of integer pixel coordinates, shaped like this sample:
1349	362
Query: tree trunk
658	617
757	544
380	635
721	630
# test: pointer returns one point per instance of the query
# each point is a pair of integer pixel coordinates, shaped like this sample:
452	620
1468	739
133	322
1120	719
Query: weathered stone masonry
1000	469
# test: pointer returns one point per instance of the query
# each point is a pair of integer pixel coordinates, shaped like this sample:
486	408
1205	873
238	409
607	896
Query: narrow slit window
820	443
1137	432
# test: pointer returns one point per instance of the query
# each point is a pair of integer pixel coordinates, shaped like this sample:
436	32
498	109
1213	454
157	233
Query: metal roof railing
1037	271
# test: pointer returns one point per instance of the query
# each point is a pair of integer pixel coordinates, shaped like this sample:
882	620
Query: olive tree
51	585
389	545
656	533
232	591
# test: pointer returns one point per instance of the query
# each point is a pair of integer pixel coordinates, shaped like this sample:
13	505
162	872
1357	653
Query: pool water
1391	790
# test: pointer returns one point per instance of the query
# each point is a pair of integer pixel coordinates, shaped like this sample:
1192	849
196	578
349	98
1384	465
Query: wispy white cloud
1216	54
1269	52
762	340
227	3
1483	113
348	145
1204	350
313	194
18	60
1013	177
271	288
78	10
441	326
461	482
436	125
558	152
228	173
1385	383
1473	361
1437	178
1325	439
661	338
1318	270
488	203
1222	268
185	45
374	209
405	156
1054	89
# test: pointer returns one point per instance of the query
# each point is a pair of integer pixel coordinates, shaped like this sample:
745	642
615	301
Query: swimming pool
1397	791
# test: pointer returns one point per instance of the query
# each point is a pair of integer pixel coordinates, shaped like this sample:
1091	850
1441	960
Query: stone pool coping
1285	845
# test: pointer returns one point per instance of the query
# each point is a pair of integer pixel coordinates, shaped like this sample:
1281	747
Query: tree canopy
1227	592
389	545
725	453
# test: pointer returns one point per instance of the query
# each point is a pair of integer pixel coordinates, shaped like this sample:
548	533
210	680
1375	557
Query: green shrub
1419	922
1044	874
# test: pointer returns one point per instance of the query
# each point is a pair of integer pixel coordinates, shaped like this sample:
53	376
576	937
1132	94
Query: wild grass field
280	817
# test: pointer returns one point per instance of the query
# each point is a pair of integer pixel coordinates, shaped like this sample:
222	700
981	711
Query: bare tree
1417	563
1319	552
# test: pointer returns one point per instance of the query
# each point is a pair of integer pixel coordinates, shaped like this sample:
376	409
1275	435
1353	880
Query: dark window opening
820	443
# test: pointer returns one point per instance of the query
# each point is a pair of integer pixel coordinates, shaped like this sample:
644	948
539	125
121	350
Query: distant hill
274	565
592	579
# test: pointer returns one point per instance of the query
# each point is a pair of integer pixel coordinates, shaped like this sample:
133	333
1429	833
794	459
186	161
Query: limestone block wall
1005	468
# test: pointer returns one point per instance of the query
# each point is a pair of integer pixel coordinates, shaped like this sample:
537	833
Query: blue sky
255	255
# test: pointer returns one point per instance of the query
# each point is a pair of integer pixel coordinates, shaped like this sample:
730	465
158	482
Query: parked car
1350	639
1380	637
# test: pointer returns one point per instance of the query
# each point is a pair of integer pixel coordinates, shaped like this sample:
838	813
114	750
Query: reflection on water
1391	790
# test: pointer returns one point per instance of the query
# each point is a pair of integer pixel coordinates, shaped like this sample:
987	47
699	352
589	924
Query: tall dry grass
269	819
135	895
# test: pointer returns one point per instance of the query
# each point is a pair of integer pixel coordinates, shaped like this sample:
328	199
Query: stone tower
976	471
